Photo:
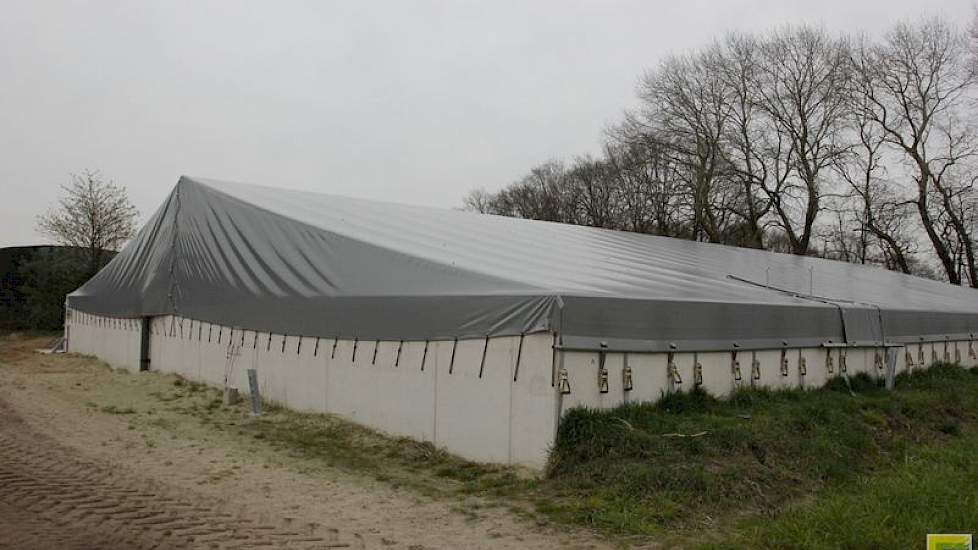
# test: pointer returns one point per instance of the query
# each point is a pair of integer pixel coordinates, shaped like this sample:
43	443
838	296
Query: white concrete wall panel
534	400
614	363
685	364
650	378
581	370
401	395
767	372
185	350
306	383
212	356
162	346
815	374
114	341
856	362
471	410
582	374
717	373
343	396
273	363
969	353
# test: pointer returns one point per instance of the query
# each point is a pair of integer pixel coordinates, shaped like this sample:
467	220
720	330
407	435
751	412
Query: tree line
857	148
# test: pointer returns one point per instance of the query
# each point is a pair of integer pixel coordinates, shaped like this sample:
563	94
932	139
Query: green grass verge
931	491
785	465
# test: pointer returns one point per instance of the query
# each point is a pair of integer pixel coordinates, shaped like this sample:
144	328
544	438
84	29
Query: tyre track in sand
52	498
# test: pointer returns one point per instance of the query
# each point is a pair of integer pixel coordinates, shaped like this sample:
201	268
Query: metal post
255	396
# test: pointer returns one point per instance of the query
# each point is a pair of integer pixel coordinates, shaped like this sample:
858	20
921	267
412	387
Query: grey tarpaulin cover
310	264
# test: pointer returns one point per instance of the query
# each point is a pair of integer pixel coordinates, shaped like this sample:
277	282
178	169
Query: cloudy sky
415	102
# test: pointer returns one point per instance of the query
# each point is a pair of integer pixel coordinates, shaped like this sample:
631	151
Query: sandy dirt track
75	478
51	497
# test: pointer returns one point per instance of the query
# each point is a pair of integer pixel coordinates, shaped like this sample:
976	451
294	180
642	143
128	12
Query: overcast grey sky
414	102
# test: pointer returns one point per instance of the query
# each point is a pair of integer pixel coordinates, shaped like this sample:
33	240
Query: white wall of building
490	400
467	396
115	341
811	368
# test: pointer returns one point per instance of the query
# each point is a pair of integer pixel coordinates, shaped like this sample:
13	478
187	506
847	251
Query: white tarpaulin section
301	263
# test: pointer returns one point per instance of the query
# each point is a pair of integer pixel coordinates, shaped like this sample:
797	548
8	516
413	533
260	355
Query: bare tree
479	200
597	195
839	240
94	215
747	149
875	205
543	194
648	187
914	85
685	110
803	79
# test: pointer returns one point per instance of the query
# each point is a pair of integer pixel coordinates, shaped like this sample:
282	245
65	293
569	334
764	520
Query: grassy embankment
832	468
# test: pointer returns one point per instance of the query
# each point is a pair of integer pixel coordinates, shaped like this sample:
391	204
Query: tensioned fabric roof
302	263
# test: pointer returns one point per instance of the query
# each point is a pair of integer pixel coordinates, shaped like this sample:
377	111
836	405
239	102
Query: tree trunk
940	248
